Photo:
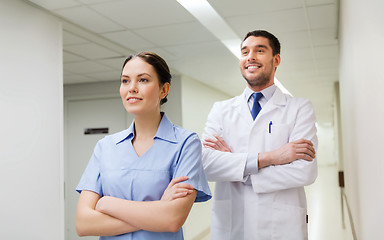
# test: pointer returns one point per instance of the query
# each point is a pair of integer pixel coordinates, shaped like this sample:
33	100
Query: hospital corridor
327	219
60	75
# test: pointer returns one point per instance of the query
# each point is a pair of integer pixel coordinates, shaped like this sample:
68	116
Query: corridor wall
31	155
362	115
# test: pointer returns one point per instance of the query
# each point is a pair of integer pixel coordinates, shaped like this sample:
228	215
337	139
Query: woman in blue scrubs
141	183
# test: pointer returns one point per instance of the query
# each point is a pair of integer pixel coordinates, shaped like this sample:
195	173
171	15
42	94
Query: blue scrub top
115	170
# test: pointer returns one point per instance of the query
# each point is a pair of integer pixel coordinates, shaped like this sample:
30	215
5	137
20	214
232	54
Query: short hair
273	41
160	66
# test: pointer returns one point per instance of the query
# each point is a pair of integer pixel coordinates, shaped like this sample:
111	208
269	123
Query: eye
143	80
244	53
260	50
125	81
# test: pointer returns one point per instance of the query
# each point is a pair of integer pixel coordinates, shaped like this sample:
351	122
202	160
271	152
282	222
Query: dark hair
273	41
160	66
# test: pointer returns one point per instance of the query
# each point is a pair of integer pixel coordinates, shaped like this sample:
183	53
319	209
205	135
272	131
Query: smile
133	99
252	67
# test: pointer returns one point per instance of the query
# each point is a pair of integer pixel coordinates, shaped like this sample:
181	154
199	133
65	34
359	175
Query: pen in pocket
270	126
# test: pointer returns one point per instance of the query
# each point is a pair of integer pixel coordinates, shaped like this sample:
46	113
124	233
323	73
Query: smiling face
140	89
257	63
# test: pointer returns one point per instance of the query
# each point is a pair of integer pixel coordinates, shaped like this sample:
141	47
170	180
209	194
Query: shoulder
228	102
281	98
114	138
299	102
301	106
182	134
227	105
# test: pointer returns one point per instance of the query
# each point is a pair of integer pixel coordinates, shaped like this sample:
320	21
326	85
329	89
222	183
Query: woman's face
139	89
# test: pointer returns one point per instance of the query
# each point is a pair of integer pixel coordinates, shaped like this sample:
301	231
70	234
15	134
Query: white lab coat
274	206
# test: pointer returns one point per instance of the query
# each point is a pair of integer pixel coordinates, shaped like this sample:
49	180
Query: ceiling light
209	18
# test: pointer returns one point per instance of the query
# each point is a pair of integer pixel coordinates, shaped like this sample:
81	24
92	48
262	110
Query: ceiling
99	34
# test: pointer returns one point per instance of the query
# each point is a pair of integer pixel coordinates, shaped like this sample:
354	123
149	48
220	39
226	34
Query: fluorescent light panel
209	18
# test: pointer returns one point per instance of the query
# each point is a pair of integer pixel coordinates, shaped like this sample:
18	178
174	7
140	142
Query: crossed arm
299	149
292	165
108	216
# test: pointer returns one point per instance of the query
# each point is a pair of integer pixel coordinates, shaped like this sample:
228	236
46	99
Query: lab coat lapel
241	107
278	100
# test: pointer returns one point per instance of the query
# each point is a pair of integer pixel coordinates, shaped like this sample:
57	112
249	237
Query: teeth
133	99
253	67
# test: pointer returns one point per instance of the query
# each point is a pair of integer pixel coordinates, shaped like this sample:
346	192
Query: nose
251	56
132	87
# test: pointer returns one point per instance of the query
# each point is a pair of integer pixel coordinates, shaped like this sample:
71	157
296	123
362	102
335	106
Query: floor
325	207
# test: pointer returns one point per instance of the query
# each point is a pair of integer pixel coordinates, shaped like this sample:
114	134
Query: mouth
252	66
133	99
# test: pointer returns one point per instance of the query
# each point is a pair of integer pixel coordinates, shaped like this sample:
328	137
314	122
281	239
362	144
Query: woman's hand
177	189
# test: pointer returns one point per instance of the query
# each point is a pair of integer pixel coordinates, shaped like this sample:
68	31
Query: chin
132	110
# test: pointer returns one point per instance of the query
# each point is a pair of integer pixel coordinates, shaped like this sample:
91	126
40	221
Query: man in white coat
260	159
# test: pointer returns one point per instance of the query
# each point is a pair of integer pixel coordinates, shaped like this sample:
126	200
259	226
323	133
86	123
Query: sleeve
189	164
298	173
252	165
221	166
90	180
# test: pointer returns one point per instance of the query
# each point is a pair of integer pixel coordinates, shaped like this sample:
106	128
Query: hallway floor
325	207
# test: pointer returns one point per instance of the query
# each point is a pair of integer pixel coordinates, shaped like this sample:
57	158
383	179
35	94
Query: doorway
86	122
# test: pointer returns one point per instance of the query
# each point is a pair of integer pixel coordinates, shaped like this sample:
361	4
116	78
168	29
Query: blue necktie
256	105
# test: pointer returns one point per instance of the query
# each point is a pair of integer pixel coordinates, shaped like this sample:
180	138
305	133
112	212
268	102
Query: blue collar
165	131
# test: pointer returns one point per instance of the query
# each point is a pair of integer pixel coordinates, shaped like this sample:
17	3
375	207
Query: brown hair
160	66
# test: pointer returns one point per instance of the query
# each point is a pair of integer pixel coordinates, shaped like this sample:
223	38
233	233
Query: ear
164	90
276	60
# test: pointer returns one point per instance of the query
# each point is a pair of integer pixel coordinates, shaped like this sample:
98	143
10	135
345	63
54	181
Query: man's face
257	63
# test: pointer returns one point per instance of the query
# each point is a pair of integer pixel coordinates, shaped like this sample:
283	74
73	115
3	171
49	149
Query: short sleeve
190	165
90	180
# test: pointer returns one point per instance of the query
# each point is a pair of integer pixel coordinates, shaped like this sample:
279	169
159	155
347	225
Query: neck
146	126
260	88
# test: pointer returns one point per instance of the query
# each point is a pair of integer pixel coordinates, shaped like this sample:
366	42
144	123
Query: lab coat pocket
289	222
221	215
276	136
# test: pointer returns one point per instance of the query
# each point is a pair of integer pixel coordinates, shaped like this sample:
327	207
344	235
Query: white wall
326	153
197	100
31	154
362	114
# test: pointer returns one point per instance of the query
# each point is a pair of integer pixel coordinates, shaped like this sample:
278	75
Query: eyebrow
140	75
256	46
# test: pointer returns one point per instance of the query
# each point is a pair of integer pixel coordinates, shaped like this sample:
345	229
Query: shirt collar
165	131
267	92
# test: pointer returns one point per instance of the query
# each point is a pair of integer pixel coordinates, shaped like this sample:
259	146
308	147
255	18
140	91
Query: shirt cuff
251	165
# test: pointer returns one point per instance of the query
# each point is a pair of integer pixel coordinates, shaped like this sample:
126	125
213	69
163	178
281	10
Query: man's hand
216	143
177	189
299	149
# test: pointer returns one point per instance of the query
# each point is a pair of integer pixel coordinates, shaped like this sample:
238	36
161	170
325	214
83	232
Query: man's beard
261	80
258	81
